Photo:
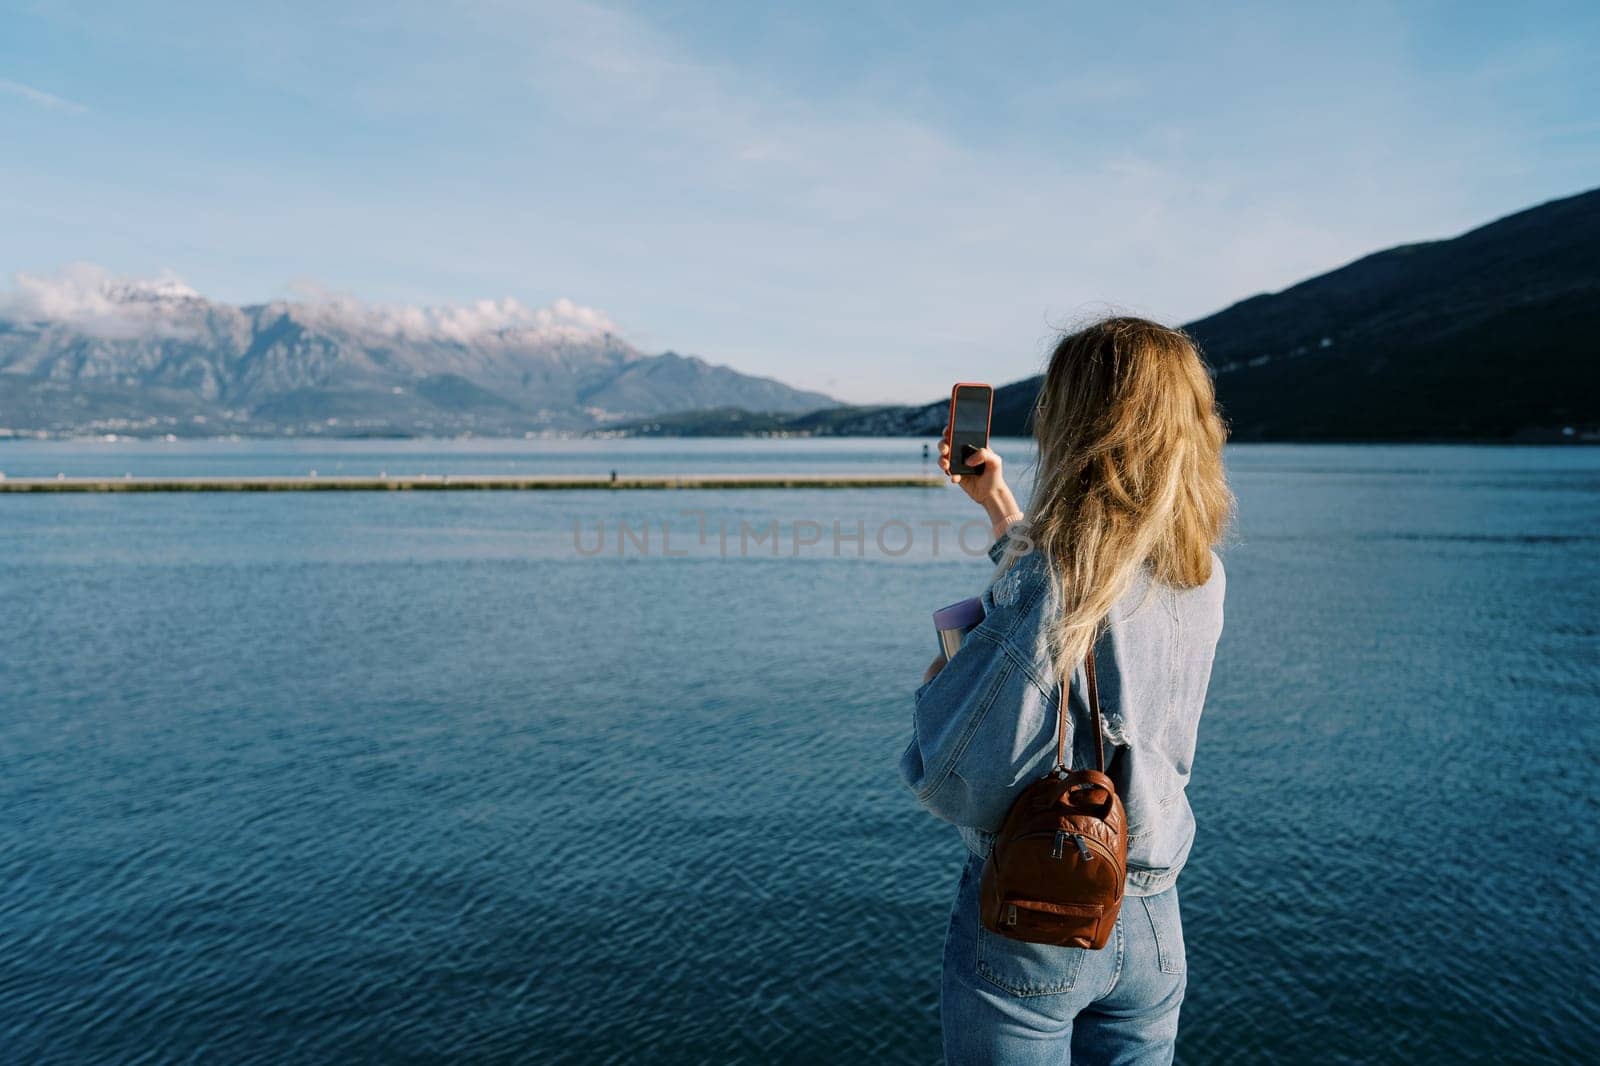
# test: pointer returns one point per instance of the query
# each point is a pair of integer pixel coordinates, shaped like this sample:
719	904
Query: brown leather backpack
1055	873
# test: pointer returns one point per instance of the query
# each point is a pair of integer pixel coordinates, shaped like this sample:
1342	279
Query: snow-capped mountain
82	351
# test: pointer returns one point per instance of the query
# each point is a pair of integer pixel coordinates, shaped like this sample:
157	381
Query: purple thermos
953	622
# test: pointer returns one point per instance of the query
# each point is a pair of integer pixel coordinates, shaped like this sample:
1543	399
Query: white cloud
43	99
462	323
87	297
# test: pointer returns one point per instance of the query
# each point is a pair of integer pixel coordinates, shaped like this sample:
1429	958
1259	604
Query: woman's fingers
977	457
985	458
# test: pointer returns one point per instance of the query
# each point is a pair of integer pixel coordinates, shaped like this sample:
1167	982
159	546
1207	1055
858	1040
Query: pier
467	483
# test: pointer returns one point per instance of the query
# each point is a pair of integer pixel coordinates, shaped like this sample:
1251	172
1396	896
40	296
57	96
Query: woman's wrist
1005	522
1002	510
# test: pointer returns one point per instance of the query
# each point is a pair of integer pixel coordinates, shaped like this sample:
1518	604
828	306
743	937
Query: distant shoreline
1543	438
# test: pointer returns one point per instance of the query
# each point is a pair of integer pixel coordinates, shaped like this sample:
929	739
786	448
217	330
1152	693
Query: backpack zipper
1087	847
1062	836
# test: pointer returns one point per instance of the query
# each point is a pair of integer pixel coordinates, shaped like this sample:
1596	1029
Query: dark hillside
1493	335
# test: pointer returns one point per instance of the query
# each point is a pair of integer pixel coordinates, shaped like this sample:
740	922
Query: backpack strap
1094	713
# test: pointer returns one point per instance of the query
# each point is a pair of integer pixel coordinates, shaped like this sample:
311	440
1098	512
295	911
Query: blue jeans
1015	1004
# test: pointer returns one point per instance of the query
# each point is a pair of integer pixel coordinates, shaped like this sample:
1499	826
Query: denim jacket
985	726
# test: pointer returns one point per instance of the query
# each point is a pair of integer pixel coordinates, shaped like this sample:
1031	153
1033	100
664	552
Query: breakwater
467	483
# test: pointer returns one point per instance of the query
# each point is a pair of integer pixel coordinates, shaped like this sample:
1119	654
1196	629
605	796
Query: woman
1129	500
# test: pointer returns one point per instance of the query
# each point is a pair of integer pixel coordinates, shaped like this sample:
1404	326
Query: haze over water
416	777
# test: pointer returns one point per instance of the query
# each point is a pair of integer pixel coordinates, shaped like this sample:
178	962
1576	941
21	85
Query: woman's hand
987	488
933	669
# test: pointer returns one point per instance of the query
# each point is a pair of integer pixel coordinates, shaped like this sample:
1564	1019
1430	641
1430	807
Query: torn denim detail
1007	588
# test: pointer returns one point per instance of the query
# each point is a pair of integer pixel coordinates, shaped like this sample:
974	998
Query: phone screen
969	423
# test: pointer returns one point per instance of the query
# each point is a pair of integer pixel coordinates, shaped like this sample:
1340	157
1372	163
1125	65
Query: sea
610	777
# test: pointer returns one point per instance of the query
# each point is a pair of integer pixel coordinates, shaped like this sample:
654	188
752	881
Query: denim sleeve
978	729
998	548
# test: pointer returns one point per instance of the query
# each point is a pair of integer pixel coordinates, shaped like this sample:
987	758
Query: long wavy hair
1129	471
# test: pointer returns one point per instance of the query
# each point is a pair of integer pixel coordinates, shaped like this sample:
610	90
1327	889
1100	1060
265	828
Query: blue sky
872	199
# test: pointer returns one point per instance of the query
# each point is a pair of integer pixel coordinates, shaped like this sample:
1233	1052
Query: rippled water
411	777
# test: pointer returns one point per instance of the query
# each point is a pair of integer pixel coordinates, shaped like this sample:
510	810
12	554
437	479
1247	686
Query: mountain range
86	353
1492	335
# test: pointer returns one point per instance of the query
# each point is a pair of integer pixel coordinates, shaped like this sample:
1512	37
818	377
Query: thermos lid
962	615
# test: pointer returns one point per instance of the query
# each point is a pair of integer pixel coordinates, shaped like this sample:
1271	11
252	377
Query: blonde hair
1129	471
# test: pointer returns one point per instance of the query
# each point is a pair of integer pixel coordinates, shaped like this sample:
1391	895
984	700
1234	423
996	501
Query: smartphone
971	404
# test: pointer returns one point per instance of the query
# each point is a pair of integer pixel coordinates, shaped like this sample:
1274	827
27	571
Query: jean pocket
1025	969
1166	925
